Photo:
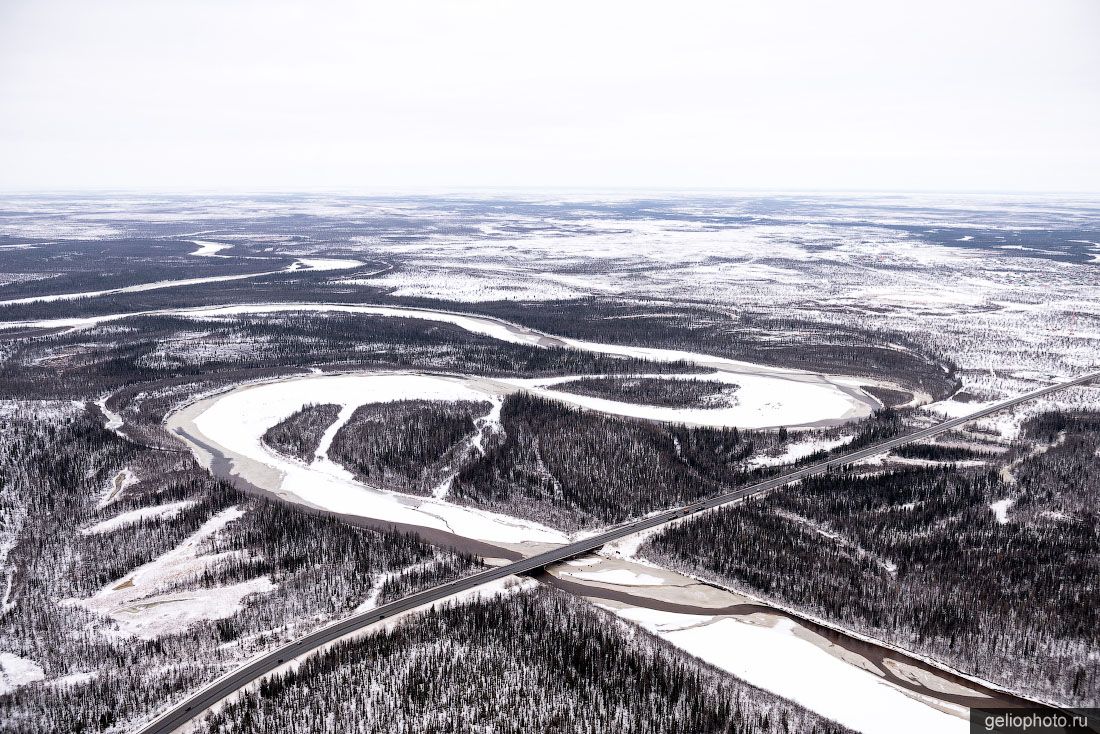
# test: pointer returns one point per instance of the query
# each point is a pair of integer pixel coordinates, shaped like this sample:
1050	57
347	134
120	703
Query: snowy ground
796	450
166	511
1000	508
16	671
140	606
210	249
120	481
114	420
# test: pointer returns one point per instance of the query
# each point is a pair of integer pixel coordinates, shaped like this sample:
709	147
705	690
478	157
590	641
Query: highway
229	683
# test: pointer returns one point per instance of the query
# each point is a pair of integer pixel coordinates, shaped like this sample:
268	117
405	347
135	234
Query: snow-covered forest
654	391
210	447
104	357
755	337
406	445
132	575
299	434
459	668
940	559
577	469
574	468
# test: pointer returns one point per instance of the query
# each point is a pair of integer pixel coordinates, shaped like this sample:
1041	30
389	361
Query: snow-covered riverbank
296	266
230	425
233	423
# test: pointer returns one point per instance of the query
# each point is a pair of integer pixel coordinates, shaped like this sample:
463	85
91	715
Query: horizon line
435	190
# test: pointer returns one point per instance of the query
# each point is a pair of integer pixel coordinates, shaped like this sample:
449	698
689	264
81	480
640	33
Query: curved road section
236	679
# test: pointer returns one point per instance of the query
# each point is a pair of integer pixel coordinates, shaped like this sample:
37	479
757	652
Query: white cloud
793	94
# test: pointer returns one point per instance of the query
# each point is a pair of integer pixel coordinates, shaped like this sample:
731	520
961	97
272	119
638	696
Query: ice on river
235	422
778	660
768	399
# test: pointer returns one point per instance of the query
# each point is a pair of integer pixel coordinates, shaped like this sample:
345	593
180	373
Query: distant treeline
758	338
90	362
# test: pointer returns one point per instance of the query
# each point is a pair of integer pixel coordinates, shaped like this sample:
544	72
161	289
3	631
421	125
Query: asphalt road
236	679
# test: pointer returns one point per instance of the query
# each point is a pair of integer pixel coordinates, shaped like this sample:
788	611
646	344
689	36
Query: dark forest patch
459	668
406	445
674	393
299	434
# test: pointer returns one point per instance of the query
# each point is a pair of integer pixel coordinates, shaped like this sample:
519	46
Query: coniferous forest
53	471
576	469
299	434
683	393
406	445
920	558
460	669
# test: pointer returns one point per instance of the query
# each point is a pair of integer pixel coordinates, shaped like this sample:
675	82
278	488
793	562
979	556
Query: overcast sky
222	95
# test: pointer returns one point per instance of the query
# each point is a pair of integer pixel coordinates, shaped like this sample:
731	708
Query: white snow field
328	263
166	511
1000	508
799	450
770	655
140	608
114	420
209	249
16	671
117	484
